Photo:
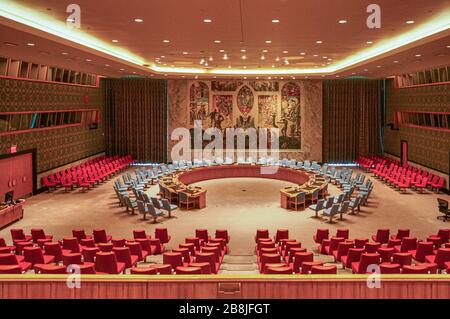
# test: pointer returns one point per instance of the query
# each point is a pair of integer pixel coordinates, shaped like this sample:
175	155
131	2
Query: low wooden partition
243	170
227	287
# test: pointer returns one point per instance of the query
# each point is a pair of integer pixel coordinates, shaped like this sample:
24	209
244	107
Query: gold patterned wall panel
55	147
425	147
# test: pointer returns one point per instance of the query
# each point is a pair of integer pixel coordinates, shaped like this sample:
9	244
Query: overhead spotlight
263	57
410	22
268	41
225	57
277	59
115	41
207	20
342	21
217	41
369	42
319	42
302	53
244	57
166	41
265	51
275	21
243	50
285	52
210	58
185	52
31	44
418	55
138	20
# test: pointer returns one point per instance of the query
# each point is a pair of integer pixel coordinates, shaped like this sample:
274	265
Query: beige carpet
240	205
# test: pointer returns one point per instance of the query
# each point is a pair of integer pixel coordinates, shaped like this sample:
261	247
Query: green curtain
136	118
351	119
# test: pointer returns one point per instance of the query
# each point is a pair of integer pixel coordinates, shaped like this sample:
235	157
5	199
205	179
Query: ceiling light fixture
275	21
115	41
31	44
217	41
138	20
207	20
410	22
268	41
319	42
185	53
244	57
263	57
418	55
342	21
166	41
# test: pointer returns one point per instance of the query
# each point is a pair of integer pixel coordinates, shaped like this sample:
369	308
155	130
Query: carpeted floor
240	205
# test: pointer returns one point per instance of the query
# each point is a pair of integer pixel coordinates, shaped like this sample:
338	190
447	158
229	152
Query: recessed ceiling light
245	67
64	53
448	46
277	59
342	21
365	70
285	52
185	52
265	51
10	44
244	57
369	42
418	55
262	57
225	57
122	69
316	55
217	41
325	57
395	61
138	20
273	66
221	51
302	53
243	50
207	20
229	66
115	41
275	21
88	60
337	76
268	41
245	78
210	58
378	66
106	65
31	44
163	56
319	42
166	41
410	22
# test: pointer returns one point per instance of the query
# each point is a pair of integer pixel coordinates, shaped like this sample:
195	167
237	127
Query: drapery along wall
136	118
351	119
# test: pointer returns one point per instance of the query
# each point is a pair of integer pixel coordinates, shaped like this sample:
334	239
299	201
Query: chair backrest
141	207
442	256
106	262
353	255
72	259
402	233
123	255
79	234
408	243
342	232
321	234
329	202
17	234
281	234
202	234
165	204
71	243
222	233
135	249
33	255
139	234
8	259
382	235
262	233
37	234
301	197
162	234
366	260
100	236
155	202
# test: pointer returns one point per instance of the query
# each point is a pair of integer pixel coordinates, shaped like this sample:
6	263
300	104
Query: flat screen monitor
9	197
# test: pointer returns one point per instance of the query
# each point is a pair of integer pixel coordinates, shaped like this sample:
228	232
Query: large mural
248	104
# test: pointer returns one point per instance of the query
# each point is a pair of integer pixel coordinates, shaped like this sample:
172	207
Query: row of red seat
99	253
404	178
88	174
368	162
393	254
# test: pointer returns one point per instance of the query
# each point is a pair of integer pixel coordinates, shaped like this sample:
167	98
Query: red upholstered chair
442	256
268	259
342	232
140	234
372	247
289	257
415	269
424	248
34	255
190	247
222	242
408	243
145	245
87	268
50	269
300	258
118	242
274	265
72	259
223	233
188	270
89	254
209	258
105	247
286	270
324	270
195	241
281	234
389	268
265	244
447	245
289	245
136	250
6	250
205	267
261	233
80	234
123	255
163	269
342	250
321	248
320	235
394	242
18	235
401	233
4	247
402	259
185	252
100	236
441	238
39	235
173	259
307	266
334	243
55	250
106	263
88	242
157	247
432	267
360	267
144	271
386	254
10	269
267	251
71	244
162	235
447	266
215	250
382	236
13	260
20	245
203	235
361	242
